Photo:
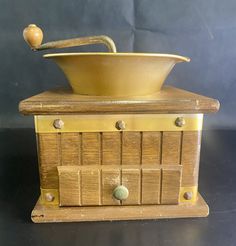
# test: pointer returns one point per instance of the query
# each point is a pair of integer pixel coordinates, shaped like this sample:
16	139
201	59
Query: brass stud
58	123
180	121
49	197
188	195
120	125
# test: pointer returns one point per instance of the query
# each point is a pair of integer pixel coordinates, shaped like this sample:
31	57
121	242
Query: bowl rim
178	57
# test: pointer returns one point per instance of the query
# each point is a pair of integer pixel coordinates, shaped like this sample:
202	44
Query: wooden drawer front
85	186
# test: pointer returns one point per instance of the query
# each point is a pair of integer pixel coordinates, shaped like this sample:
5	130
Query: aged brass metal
106	74
49	196
116	74
104	123
188	194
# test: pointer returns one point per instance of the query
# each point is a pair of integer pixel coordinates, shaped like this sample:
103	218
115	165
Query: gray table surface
19	190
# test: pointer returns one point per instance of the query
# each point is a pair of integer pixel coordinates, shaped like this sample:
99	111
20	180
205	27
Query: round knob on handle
121	192
33	36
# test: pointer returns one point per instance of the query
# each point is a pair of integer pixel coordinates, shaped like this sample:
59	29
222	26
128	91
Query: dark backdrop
204	30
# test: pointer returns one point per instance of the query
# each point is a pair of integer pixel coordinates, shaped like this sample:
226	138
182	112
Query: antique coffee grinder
117	145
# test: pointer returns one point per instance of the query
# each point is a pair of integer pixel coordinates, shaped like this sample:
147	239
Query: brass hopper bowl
106	74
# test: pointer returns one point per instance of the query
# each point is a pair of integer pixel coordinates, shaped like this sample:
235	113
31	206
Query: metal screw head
49	197
58	123
180	121
120	125
188	195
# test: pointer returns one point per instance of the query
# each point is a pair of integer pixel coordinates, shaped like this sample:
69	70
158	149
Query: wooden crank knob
33	36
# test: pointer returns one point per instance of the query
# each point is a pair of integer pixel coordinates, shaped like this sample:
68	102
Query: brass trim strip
104	123
193	190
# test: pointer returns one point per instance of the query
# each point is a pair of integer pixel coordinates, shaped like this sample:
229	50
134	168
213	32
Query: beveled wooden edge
79	104
45	214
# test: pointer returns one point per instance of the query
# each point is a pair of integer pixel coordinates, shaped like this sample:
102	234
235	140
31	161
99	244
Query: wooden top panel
168	100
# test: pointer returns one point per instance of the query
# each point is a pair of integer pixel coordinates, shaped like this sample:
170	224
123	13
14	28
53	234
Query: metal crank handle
33	36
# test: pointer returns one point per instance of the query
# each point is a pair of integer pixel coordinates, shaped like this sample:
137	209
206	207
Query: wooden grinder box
104	158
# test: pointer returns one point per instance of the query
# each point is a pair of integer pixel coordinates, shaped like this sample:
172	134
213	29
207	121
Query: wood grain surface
168	100
42	214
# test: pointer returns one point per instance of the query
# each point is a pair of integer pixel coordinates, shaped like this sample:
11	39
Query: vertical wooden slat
151	186
151	148
49	159
90	187
171	180
110	180
70	149
69	186
111	148
131	148
171	148
90	148
190	157
131	180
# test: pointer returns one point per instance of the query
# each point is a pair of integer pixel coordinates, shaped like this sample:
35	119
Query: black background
204	30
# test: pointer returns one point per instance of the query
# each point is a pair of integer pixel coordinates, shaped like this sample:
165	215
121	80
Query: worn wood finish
131	148
119	148
94	185
69	186
91	142
49	159
111	148
131	180
151	184
171	180
158	166
111	178
171	148
42	214
191	144
70	149
169	100
151	148
90	187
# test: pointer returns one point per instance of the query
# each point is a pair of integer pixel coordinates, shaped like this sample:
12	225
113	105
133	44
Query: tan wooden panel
110	180
90	187
131	180
171	147
91	148
151	186
70	149
69	186
48	153
191	144
171	180
151	148
131	148
111	148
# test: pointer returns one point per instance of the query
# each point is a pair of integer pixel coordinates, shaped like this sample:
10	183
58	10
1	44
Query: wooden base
43	214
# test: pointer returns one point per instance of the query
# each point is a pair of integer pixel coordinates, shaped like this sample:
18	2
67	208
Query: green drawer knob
121	192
